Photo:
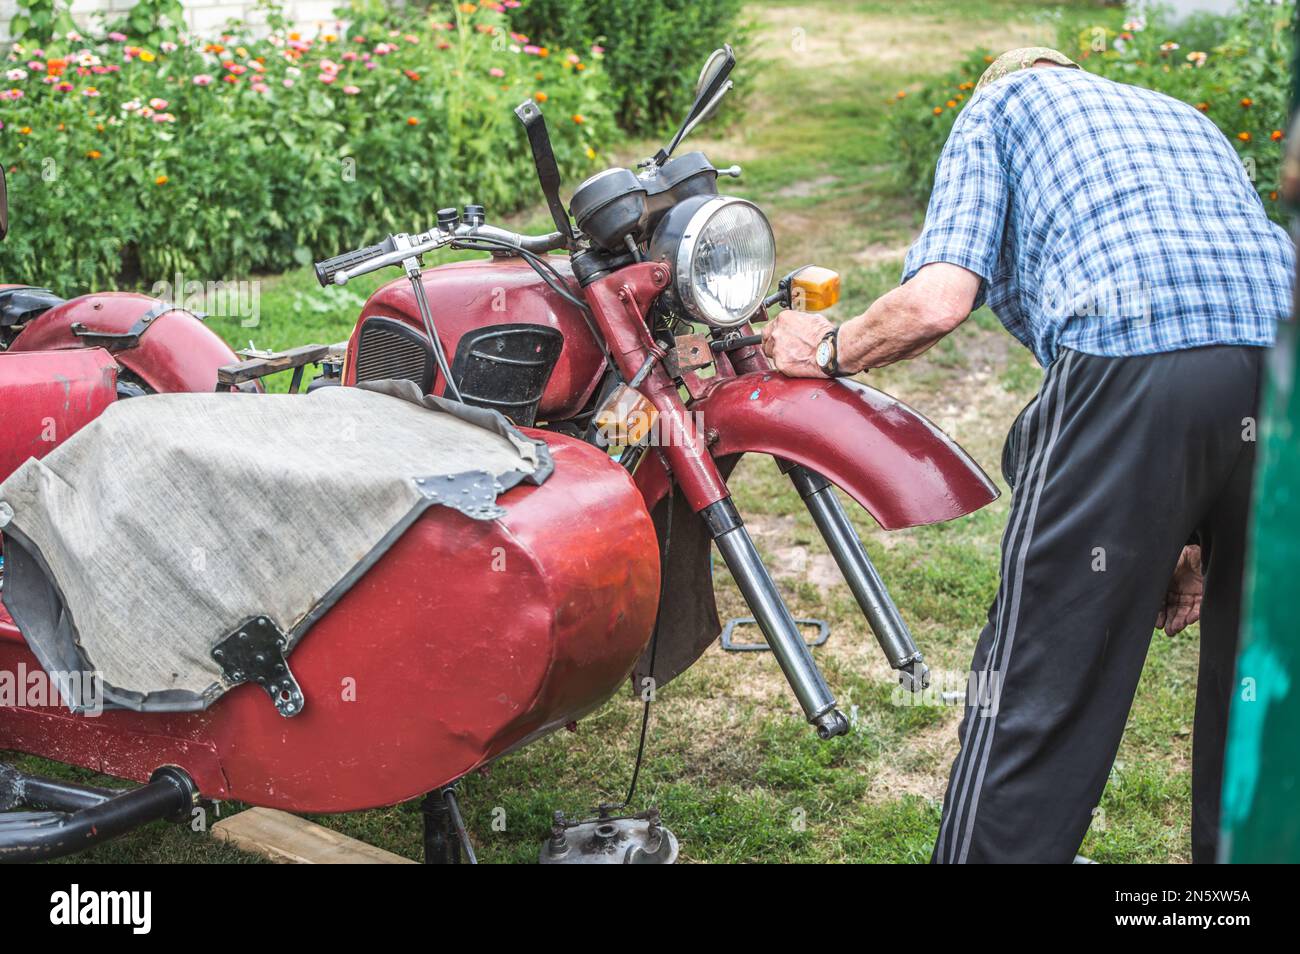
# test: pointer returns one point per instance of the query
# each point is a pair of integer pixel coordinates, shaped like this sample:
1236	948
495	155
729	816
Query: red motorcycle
633	357
643	338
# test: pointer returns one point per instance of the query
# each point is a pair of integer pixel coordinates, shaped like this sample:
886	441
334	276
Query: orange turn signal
626	418
814	288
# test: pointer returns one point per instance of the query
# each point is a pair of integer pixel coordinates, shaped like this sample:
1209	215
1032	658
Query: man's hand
1183	600
791	341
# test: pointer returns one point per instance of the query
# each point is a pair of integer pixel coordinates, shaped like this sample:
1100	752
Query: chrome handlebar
401	248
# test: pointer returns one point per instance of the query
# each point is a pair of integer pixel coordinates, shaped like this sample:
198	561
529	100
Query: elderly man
1115	234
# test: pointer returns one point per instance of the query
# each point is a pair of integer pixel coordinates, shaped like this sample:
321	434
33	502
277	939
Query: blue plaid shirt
1104	218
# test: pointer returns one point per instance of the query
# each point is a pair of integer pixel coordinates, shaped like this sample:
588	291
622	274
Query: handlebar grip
733	344
326	270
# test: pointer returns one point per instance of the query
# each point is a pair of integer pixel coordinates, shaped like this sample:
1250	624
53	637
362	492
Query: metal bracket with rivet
254	652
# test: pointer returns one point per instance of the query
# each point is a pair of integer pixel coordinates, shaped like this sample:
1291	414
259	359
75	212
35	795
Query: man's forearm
900	324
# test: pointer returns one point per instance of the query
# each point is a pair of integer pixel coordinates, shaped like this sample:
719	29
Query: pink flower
163	118
11	94
350	56
36	66
496	71
597	50
90	91
157	103
64	87
203	79
327	78
287	82
167	46
117	37
510	3
532	50
351	90
260	87
371	64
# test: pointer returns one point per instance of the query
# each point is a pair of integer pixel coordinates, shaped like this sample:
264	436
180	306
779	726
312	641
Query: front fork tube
867	586
773	618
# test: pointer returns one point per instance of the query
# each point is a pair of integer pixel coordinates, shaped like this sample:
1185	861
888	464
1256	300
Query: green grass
736	772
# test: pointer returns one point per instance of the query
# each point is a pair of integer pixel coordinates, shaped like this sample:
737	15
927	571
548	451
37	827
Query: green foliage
1233	68
40	20
131	162
653	51
153	21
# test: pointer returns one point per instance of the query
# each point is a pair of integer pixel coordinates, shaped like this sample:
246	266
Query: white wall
205	17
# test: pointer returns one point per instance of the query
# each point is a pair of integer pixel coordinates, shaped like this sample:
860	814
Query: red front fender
901	468
176	353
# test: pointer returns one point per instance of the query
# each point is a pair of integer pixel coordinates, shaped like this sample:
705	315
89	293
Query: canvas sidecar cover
145	547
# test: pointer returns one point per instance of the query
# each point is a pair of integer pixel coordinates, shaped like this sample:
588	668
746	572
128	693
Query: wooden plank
260	367
289	839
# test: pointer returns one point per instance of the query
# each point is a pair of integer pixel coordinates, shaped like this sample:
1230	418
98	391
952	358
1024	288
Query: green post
1261	785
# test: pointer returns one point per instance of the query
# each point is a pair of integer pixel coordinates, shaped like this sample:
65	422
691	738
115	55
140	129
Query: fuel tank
465	640
389	342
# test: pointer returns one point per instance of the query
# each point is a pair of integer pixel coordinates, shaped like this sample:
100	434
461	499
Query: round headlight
723	256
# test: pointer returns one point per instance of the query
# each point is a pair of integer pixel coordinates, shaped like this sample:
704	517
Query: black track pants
1117	464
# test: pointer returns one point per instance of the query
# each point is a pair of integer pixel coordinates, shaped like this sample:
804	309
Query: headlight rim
682	260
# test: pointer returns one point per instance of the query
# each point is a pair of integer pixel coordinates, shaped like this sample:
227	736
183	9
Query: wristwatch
828	353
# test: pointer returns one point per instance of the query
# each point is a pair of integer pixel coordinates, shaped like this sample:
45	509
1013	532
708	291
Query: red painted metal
468	639
177	353
886	456
469	295
46	397
619	303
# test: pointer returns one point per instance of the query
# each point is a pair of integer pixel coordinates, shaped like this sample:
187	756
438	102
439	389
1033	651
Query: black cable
540	266
654	646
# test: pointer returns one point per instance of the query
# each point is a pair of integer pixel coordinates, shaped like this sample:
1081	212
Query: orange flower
1273	196
56	67
26	130
94	154
1276	135
1203	107
580	67
900	94
1244	136
938	110
161	180
540	96
1247	103
988	59
544	51
951	104
412	121
99	127
467	8
578	118
60	127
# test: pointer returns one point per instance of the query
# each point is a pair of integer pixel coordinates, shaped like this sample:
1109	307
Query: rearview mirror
709	90
4	205
715	70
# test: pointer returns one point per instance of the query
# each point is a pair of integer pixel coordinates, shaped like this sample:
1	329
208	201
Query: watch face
824	353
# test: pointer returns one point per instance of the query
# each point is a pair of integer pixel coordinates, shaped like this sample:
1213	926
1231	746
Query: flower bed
130	163
1234	69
